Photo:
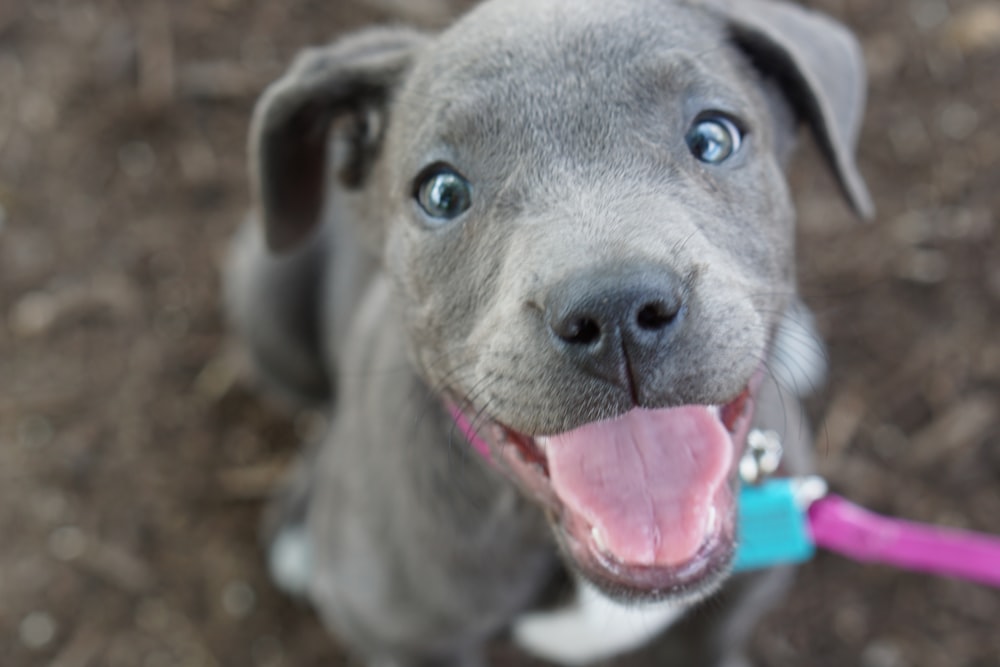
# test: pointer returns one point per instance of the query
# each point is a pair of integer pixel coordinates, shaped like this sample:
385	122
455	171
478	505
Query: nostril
580	331
656	315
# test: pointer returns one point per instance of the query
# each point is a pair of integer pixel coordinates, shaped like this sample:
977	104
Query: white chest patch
593	627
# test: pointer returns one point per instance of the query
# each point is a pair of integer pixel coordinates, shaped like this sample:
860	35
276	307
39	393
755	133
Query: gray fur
568	117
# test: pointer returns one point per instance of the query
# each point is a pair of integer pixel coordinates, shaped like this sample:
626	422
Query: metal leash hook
762	457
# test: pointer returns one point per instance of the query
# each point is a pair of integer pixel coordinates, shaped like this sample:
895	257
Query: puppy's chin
642	505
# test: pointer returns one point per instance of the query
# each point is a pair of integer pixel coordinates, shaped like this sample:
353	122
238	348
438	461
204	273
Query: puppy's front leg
420	552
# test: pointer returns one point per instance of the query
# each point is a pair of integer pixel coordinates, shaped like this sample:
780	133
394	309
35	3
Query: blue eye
714	139
443	194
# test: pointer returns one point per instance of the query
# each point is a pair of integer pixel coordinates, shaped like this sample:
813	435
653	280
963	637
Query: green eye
713	139
444	194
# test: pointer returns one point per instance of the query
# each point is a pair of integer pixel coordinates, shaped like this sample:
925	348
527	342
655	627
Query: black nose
617	323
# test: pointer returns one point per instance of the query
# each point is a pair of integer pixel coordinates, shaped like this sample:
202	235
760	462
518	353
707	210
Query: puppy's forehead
541	38
539	22
531	64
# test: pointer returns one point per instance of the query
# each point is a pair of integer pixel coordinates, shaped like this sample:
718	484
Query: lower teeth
600	542
712	521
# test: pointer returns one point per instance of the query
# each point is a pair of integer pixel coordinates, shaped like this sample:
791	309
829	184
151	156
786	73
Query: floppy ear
352	78
819	65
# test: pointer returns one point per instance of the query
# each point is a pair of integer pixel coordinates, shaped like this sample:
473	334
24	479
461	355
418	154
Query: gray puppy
540	268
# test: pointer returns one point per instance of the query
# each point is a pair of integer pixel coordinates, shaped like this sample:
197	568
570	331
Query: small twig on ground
157	77
119	568
83	648
840	424
255	482
963	425
219	82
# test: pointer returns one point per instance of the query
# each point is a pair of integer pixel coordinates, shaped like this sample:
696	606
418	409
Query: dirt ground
133	464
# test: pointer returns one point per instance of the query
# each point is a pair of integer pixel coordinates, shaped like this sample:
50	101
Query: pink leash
841	526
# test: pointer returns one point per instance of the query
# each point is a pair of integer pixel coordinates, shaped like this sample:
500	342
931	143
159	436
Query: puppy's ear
819	65
355	78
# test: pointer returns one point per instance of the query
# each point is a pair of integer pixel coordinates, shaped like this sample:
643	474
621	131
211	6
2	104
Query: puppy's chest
592	627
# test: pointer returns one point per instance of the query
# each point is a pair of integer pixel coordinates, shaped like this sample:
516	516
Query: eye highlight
443	193
714	138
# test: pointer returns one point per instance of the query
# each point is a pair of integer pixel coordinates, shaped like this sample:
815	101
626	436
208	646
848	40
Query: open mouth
644	504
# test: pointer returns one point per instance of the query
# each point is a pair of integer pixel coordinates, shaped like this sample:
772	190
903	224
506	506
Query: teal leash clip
774	522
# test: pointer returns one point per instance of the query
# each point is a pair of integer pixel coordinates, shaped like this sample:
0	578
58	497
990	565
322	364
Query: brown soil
133	466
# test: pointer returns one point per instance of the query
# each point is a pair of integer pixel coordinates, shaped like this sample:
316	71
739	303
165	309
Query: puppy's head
583	210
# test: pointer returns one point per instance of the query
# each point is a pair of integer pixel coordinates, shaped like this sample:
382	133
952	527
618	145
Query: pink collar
469	432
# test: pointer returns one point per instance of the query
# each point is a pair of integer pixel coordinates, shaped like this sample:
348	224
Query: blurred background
134	460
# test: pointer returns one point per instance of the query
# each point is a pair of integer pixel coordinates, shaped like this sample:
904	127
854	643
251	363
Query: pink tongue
646	481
